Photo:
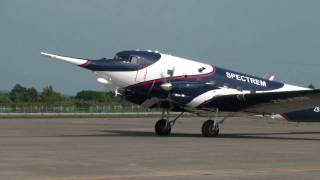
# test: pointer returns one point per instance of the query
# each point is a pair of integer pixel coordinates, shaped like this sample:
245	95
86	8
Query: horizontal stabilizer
71	60
306	115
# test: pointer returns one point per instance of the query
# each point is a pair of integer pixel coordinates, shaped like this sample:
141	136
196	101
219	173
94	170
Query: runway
126	148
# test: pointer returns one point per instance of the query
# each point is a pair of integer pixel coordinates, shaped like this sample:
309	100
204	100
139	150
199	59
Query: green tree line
22	96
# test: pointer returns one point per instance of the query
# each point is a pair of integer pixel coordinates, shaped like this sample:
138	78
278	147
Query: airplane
174	84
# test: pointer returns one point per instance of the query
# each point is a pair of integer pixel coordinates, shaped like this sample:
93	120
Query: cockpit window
134	59
137	58
122	58
129	59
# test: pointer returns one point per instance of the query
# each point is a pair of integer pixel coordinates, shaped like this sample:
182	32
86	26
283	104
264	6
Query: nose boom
71	60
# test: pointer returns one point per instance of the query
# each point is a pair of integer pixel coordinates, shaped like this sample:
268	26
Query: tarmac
126	148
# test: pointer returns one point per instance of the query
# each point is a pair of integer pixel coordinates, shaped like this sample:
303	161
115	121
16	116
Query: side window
134	59
128	59
122	58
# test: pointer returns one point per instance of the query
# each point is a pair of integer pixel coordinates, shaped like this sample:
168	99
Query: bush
5	99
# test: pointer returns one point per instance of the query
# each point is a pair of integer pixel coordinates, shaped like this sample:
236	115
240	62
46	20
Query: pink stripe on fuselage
86	64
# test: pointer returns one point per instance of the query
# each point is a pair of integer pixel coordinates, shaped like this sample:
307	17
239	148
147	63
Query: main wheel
162	128
209	129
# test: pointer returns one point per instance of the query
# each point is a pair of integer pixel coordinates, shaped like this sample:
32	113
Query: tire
162	128
208	129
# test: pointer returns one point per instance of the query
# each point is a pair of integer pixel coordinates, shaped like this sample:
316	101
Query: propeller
116	92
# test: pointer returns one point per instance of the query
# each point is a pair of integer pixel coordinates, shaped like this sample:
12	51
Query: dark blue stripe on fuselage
221	77
112	65
197	85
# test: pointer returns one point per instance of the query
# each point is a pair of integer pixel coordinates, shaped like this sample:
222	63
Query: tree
20	94
311	86
17	93
32	95
50	97
93	96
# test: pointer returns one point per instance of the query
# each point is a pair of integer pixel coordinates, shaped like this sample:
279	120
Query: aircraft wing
266	103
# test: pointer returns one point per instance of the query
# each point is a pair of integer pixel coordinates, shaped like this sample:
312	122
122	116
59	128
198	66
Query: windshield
130	59
122	58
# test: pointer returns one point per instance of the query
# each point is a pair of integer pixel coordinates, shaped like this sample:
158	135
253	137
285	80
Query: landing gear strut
210	128
163	126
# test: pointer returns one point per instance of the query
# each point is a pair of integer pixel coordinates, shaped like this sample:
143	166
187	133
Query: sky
279	37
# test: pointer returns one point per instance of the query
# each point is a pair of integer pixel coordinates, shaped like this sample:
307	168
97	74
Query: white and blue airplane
152	79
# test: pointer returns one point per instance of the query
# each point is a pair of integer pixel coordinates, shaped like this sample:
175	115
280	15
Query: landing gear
210	129
163	126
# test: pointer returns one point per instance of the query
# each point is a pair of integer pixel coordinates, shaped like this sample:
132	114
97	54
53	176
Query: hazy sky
281	37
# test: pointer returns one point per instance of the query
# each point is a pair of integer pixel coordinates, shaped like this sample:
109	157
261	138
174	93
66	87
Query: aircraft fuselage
140	74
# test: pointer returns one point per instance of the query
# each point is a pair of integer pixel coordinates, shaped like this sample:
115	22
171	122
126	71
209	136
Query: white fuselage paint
157	70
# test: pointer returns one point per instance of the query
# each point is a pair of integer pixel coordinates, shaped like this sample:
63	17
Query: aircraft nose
110	65
97	65
71	60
